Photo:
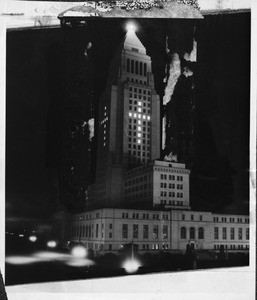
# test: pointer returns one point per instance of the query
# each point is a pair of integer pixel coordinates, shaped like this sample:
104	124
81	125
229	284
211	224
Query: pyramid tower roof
133	42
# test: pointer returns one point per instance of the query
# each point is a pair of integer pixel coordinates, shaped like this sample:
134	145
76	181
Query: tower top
132	42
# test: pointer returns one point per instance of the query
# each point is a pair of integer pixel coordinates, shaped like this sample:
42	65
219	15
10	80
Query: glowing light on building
131	27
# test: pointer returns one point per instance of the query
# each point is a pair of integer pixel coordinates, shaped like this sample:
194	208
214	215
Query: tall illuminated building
129	119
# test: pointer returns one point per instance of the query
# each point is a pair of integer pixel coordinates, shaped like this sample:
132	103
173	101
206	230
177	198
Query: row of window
139	109
231	220
139	116
139	134
144	216
136	67
97	246
138	103
139	153
131	79
192	233
231	247
232	233
170	194
145	231
173	203
140	122
192	217
139	140
140	91
140	97
139	128
171	185
170	177
87	231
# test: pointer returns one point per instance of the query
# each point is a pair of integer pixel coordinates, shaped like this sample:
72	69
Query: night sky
37	74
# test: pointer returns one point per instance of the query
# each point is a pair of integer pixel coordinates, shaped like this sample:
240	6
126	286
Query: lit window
139	141
135	115
139	128
130	114
139	109
139	103
148	117
144	117
139	134
139	116
139	122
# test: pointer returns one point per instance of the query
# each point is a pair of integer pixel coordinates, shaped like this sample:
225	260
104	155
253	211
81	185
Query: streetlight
33	238
51	244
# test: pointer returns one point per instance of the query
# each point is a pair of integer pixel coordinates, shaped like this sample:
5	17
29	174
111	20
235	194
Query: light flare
79	252
131	265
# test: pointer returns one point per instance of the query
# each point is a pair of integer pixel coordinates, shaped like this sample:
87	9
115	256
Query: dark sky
223	99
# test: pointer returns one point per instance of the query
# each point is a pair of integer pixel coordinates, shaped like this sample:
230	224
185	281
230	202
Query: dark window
97	230
240	233
145	231
155	231
135	231
136	67
192	233
232	233
141	68
165	231
183	234
144	69
247	234
224	233
132	66
124	231
201	233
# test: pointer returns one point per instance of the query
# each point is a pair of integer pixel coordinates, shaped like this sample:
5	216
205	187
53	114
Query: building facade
110	229
158	183
129	120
